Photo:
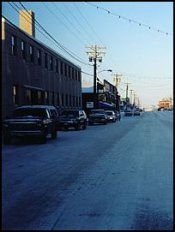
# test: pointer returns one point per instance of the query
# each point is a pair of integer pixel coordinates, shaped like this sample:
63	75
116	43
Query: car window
53	113
35	112
70	113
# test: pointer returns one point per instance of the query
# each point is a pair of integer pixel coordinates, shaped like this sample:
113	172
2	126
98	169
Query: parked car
73	118
136	112
111	116
31	120
128	112
98	116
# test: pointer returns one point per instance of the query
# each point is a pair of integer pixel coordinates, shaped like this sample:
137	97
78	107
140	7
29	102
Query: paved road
116	176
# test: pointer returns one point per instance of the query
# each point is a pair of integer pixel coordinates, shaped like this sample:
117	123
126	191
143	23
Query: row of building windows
46	97
48	62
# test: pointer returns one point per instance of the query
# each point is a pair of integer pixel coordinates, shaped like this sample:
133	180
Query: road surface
117	176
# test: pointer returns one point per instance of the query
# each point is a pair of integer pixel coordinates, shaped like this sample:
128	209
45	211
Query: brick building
33	73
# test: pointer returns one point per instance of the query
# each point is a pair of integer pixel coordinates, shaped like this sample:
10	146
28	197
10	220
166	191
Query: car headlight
47	121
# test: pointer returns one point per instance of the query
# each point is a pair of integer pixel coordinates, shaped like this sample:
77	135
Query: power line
129	19
63	48
76	35
44	35
86	35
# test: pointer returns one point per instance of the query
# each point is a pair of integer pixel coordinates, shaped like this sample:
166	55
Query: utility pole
95	55
127	92
131	90
134	99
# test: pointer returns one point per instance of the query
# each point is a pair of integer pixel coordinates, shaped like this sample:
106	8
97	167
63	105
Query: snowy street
117	176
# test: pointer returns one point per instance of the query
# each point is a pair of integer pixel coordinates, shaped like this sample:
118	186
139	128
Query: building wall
19	71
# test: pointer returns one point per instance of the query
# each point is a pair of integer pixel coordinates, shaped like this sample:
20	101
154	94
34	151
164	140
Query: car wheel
77	127
54	134
105	123
43	138
84	126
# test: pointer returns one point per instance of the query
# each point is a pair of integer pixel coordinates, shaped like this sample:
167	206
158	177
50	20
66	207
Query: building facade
165	103
108	98
33	73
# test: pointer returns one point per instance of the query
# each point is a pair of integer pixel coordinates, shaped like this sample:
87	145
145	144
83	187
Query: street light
107	70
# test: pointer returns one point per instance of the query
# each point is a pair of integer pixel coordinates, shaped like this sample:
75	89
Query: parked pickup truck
31	120
98	116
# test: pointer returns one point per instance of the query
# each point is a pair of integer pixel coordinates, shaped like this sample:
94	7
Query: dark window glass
38	112
62	99
51	63
15	95
66	99
70	100
31	52
62	64
56	66
53	95
28	96
23	49
72	73
65	70
70	112
39	56
45	60
13	45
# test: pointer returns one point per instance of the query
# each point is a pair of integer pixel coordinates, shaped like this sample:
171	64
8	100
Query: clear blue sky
143	56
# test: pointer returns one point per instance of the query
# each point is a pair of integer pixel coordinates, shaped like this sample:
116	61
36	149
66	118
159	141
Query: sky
143	56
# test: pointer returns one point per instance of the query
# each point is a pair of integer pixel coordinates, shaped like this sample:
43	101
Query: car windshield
70	113
97	112
109	113
35	112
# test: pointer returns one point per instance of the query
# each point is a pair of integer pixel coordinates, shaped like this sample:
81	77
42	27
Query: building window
46	60
53	98
65	70
62	99
70	100
15	95
31	52
66	99
69	72
79	103
23	49
56	65
46	96
39	56
51	63
62	64
39	97
79	76
28	96
72	73
13	45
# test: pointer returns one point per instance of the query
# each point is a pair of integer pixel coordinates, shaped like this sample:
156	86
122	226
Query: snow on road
117	176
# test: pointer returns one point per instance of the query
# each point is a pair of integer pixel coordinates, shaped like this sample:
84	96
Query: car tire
54	134
43	139
77	127
105	123
84	126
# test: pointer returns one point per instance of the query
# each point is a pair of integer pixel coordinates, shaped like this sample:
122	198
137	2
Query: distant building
33	73
165	103
107	96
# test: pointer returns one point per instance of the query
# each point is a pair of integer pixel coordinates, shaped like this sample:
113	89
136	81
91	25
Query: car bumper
26	133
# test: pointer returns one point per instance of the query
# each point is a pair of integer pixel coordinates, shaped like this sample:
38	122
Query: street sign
89	104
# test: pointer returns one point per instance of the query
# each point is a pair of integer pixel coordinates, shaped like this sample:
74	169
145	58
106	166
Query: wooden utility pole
127	83
95	55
